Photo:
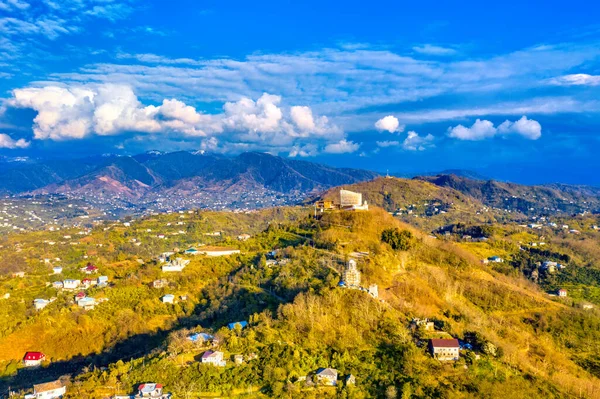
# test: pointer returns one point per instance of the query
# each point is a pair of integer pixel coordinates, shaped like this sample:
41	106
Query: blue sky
508	89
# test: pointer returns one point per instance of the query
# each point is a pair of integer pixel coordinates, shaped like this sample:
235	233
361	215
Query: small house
87	303
444	349
562	293
175	265
57	270
49	390
57	284
89	269
33	359
151	390
40	304
70	284
495	259
327	376
244	237
169	298
102	280
238	359
214	358
350	380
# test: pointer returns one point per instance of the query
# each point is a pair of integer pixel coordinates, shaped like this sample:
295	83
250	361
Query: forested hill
551	198
285	282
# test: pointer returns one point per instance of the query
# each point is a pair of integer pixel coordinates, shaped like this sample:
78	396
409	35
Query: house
150	390
495	259
218	251
40	304
327	376
169	298
242	324
562	293
161	283
87	282
57	270
549	266
19	274
176	265
49	390
444	349
244	237
350	380
80	295
87	303
164	257
57	284
89	269
71	284
214	358
102	280
238	359
33	359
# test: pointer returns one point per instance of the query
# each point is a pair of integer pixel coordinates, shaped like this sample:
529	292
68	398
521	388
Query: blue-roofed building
241	323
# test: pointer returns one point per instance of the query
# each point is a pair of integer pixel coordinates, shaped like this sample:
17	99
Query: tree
401	240
391	392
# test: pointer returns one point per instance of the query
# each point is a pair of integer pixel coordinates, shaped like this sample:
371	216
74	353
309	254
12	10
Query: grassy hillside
525	343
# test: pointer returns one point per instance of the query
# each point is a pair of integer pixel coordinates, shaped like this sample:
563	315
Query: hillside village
353	301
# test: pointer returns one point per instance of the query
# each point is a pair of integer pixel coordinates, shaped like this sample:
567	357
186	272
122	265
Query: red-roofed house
89	269
444	349
562	292
33	359
151	390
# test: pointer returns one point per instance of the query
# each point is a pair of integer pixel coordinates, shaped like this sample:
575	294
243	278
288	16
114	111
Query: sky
506	89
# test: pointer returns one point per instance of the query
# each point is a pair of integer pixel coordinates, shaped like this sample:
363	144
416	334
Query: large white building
175	265
352	201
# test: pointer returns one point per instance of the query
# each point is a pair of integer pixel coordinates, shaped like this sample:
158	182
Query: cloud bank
484	129
78	112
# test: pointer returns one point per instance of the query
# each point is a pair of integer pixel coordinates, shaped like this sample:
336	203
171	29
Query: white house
169	298
70	284
49	390
40	303
33	359
86	303
444	349
102	280
213	357
327	376
57	270
175	265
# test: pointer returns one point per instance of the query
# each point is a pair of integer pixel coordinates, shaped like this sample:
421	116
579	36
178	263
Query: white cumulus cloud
8	142
527	128
483	129
390	124
414	142
341	147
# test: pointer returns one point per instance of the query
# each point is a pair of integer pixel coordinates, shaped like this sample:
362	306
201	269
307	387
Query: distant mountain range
134	177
